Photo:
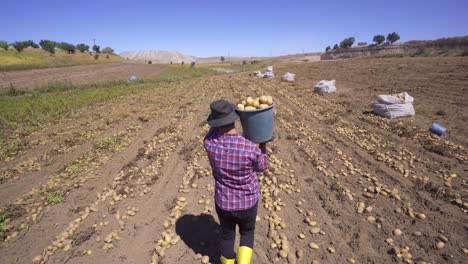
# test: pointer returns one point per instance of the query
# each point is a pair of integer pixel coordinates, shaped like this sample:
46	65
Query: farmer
234	161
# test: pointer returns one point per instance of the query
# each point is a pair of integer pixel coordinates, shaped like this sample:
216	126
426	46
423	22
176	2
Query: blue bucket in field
438	129
132	78
257	124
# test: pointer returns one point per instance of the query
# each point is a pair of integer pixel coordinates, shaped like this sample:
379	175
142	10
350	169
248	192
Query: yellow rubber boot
227	261
244	255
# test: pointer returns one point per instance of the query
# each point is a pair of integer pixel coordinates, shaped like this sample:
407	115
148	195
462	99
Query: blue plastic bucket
438	129
257	124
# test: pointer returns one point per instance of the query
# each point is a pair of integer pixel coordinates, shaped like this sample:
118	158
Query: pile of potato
250	103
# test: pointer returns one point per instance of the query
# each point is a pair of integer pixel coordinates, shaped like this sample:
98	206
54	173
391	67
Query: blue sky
240	28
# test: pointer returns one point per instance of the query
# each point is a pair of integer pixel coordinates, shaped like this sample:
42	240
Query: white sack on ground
401	98
325	86
393	110
288	77
393	105
257	73
268	74
270	69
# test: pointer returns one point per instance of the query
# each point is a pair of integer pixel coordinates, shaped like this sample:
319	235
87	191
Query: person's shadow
201	234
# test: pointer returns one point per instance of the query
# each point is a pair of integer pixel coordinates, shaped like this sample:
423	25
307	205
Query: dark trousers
245	219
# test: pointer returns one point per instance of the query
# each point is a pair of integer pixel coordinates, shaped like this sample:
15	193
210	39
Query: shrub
96	56
4	45
335	47
20	45
150	62
392	37
82	47
464	53
379	39
222	59
327	48
362	44
97	48
48	45
444	50
423	51
108	50
69	48
107	56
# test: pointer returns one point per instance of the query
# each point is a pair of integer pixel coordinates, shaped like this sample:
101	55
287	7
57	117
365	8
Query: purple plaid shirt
234	161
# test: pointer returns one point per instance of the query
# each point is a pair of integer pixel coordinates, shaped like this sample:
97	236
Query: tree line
50	46
378	39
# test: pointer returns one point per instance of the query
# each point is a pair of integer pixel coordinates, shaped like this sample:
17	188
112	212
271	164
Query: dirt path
32	79
336	177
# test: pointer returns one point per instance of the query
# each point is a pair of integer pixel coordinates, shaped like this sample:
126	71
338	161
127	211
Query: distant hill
158	56
37	58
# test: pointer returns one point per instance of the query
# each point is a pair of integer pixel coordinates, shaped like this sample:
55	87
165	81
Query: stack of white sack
269	72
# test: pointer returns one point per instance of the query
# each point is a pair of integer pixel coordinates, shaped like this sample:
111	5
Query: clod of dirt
441	113
81	237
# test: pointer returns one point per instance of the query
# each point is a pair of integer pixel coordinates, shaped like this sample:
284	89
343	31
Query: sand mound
158	56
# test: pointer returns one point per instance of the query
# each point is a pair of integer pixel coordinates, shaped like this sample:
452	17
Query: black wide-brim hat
222	113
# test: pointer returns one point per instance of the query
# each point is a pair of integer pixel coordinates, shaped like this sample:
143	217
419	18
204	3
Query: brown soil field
138	188
82	74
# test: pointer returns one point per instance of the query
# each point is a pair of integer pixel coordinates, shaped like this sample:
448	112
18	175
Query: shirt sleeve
260	159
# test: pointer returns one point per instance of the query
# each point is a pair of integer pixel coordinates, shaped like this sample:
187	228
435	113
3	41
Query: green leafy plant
32	44
82	47
379	39
108	50
393	37
69	48
48	45
327	48
335	47
347	42
4	219
4	45
108	142
10	148
55	197
96	48
20	45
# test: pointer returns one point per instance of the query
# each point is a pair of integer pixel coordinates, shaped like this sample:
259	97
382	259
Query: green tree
32	44
347	42
48	45
82	47
392	37
379	39
20	45
108	50
4	45
222	59
96	48
335	47
69	48
327	48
